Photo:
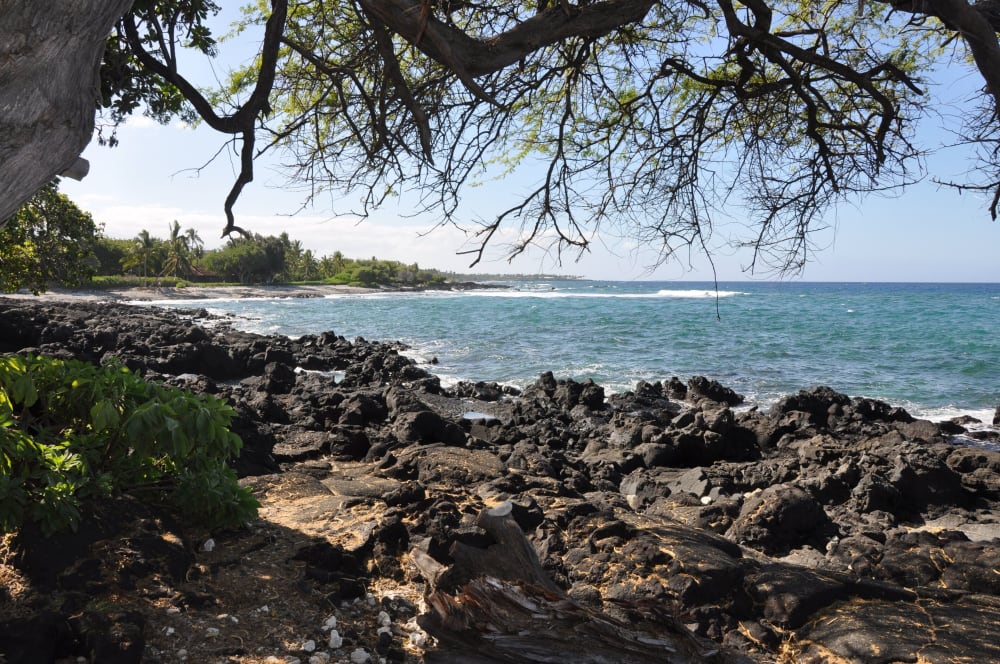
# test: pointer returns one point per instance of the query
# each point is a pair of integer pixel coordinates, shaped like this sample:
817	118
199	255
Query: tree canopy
48	240
655	116
181	260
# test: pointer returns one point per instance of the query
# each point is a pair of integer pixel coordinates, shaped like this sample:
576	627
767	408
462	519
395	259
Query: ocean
933	349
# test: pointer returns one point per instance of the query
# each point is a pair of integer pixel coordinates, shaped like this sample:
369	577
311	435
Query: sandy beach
189	293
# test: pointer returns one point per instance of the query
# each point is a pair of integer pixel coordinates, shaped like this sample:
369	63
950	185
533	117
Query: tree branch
978	24
243	121
469	56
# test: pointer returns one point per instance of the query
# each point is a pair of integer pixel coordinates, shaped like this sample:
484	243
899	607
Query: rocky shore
405	522
212	292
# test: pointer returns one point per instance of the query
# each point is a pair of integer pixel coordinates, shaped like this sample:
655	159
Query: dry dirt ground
252	597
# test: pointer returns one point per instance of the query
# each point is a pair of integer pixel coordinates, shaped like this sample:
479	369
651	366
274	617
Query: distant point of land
456	276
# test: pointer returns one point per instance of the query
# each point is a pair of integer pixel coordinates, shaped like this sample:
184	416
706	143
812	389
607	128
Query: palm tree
339	262
142	250
194	242
308	266
293	258
178	252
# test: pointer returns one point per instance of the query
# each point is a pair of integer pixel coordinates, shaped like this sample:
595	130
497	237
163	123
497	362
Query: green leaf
108	431
104	415
24	391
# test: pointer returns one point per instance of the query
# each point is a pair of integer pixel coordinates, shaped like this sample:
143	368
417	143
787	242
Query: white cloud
93	200
141	122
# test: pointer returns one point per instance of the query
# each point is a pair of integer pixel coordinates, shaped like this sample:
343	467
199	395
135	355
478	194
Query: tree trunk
50	54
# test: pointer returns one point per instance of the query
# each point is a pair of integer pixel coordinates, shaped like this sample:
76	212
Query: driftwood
509	611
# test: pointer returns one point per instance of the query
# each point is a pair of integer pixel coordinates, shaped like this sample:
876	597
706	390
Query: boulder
363	408
295	445
399	400
675	388
922	478
654	455
483	391
979	471
874	631
781	518
279	378
819	402
642	488
700	388
923	431
876	493
872	409
454	466
426	426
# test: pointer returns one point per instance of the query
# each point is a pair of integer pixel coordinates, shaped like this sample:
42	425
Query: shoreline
153	293
767	535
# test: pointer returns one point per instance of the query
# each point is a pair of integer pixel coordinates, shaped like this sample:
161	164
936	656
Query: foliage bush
48	240
71	431
243	261
117	281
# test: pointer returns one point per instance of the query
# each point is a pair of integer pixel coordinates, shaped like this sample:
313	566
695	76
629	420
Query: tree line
51	240
253	259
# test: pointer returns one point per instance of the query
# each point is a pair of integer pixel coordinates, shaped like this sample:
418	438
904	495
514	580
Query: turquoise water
932	348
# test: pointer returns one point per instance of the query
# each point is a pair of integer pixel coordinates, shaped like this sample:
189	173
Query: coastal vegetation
253	259
72	432
52	241
49	239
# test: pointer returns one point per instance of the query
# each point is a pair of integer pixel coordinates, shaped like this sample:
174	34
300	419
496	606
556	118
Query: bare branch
243	121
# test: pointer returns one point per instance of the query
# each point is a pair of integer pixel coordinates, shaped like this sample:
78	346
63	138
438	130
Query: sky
159	174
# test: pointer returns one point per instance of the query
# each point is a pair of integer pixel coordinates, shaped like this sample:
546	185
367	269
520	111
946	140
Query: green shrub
71	431
117	281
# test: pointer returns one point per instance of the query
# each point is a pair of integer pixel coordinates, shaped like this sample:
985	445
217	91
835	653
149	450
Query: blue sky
926	233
